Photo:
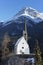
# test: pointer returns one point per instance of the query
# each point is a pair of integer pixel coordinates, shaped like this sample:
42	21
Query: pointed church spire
25	27
25	31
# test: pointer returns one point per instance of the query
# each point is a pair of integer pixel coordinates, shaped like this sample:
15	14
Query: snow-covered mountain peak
28	12
31	13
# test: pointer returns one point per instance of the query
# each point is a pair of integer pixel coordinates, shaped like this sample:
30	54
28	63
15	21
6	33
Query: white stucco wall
22	46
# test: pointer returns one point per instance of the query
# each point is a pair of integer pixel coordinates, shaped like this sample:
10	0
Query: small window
22	43
5	49
25	33
22	47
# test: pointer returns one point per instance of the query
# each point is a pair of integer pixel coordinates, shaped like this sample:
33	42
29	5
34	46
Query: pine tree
0	55
6	40
37	52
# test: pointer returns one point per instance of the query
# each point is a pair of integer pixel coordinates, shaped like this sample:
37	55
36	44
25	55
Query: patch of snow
30	59
40	15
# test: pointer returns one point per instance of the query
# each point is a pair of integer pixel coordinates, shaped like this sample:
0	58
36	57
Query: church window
22	47
22	43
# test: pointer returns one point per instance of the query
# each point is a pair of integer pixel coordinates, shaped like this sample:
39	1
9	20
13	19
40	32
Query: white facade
22	47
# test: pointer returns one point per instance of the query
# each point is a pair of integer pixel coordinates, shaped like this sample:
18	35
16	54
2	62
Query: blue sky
8	8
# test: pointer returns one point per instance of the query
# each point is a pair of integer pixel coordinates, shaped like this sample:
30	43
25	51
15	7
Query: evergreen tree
6	40
37	52
0	55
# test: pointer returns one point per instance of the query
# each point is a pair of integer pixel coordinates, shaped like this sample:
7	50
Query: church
22	46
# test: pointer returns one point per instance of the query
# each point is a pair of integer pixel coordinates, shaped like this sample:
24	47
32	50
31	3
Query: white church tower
21	46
